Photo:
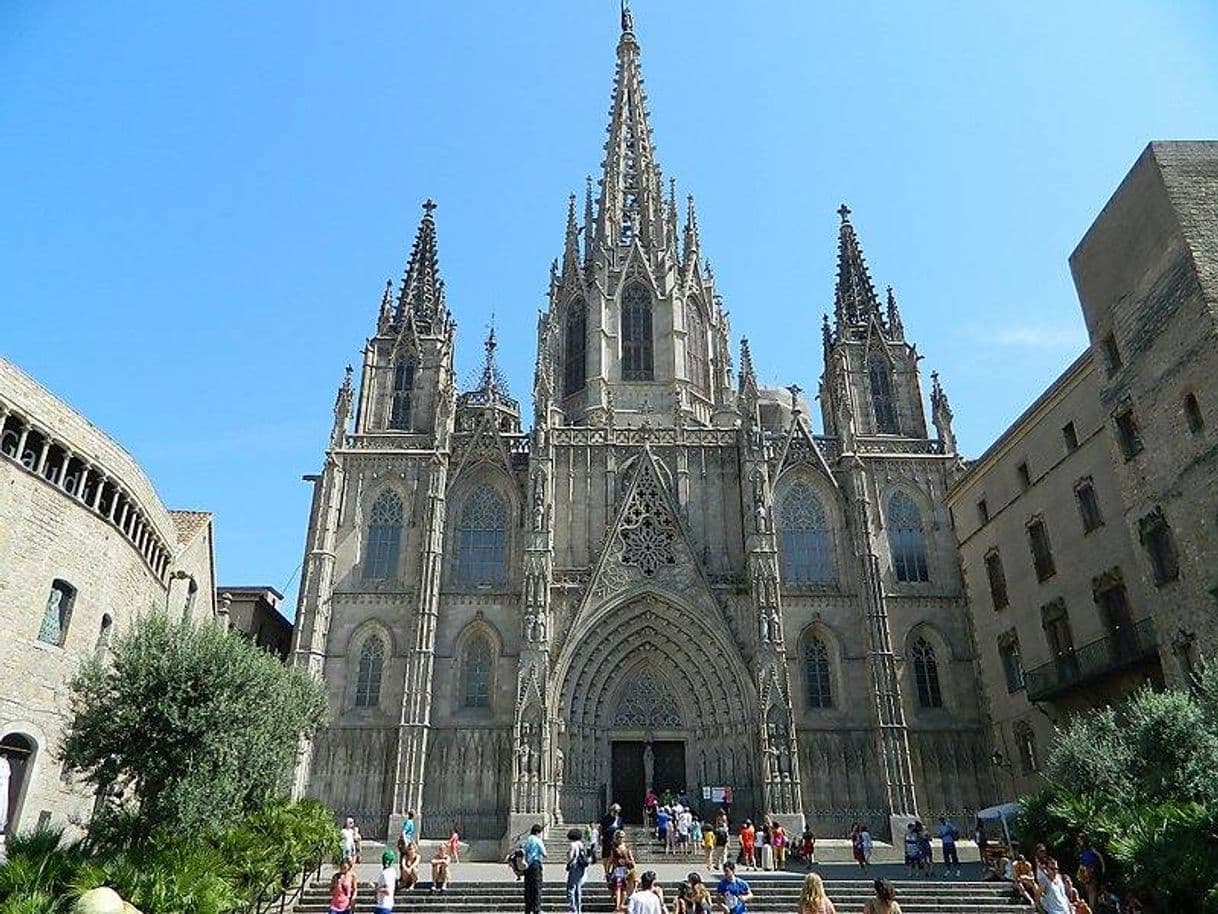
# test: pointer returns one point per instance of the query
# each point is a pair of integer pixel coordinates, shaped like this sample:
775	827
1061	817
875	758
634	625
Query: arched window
926	674
695	341
103	636
882	404
476	672
1025	743
58	613
906	539
816	672
368	678
403	387
575	369
384	537
637	362
482	538
804	537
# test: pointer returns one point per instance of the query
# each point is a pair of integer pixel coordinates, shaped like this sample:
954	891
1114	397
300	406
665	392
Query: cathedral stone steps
772	894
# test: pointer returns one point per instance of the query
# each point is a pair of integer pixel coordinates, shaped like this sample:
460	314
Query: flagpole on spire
627	19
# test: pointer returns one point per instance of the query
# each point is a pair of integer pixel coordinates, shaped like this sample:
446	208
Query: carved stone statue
539	502
649	765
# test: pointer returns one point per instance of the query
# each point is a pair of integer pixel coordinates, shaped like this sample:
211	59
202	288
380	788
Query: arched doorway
649	690
17	752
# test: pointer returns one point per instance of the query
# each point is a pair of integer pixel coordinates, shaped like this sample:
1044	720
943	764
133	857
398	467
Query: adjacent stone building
255	613
1061	614
667	579
1086	530
1147	278
85	547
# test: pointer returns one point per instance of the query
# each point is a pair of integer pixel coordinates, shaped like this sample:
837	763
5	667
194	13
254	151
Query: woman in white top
1050	890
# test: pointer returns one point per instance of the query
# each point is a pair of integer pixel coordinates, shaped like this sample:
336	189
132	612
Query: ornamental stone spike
854	300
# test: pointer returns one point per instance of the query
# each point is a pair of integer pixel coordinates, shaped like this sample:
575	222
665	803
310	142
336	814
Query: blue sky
203	201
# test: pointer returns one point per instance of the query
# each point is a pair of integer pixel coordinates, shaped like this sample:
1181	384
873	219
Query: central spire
631	201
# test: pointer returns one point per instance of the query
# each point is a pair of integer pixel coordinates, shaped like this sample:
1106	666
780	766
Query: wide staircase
777	894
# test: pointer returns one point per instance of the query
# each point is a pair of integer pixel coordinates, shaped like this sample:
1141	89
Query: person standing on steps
948	835
534	853
578	859
342	888
721	835
409	829
386	883
611	824
733	893
621	865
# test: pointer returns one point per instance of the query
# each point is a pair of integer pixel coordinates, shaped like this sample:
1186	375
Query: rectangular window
1012	663
998	580
1056	622
1128	436
983	511
1070	434
1117	617
1025	477
1042	551
1160	546
1088	505
1112	355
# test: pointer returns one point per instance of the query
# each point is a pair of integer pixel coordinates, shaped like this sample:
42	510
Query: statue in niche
539	502
649	764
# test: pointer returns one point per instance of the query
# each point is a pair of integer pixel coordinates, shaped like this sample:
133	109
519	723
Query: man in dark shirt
611	824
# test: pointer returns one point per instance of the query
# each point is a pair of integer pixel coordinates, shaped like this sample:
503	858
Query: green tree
197	723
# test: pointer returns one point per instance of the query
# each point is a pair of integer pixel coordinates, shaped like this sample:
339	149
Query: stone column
415	719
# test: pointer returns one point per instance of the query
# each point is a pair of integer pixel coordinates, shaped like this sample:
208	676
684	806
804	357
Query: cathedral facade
665	579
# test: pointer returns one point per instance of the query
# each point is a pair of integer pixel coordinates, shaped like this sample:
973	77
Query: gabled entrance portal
633	761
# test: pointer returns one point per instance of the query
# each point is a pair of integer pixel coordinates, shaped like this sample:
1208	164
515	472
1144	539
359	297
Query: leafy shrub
199	723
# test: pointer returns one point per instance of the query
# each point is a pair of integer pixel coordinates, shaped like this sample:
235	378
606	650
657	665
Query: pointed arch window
368	677
926	674
57	615
476	672
803	531
403	388
880	373
384	537
907	539
637	358
575	365
817	674
482	538
1025	742
699	363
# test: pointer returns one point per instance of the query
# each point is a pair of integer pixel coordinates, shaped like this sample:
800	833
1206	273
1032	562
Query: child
350	837
454	845
807	848
408	867
708	844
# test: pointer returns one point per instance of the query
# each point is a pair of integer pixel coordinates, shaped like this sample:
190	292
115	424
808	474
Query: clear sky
202	201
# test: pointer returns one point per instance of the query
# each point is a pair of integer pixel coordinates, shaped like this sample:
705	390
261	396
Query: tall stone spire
570	253
855	301
422	291
896	329
631	201
693	239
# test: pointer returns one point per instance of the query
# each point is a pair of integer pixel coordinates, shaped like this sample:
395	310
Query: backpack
515	862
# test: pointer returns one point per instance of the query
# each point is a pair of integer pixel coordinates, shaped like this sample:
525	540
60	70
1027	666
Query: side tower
370	589
892	477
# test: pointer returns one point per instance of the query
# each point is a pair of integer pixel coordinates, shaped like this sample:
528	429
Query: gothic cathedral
667	580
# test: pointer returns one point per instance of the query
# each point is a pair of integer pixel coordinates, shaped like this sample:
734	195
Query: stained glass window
384	537
575	363
803	531
476	668
637	364
403	387
816	671
482	538
926	674
907	539
699	364
368	680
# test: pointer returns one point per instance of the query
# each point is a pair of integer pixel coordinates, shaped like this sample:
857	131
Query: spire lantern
422	292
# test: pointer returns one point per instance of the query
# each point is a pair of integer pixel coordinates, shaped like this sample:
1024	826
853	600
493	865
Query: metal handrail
1120	648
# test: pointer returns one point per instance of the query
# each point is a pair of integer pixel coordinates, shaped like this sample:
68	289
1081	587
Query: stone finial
854	299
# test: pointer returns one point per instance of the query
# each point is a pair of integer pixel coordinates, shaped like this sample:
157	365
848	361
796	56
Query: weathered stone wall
1147	277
